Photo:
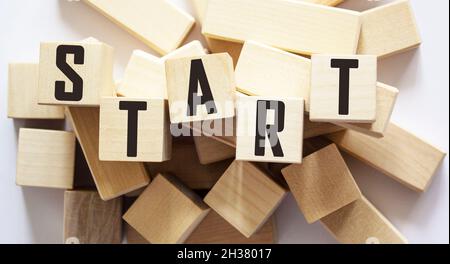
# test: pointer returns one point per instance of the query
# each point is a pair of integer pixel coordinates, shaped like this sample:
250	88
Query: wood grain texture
325	89
245	197
96	72
23	81
237	21
210	150
157	23
153	136
314	129
112	179
389	29
361	223
45	158
90	220
322	184
399	154
166	212
386	98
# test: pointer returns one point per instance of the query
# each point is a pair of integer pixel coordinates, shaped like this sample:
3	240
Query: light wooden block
219	72
158	23
399	154
245	197
389	29
361	223
237	21
75	73
343	88
45	158
314	129
23	81
133	129
322	184
112	179
386	98
166	212
325	2
90	220
266	71
210	150
145	74
269	129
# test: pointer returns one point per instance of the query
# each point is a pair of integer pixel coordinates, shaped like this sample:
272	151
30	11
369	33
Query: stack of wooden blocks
296	89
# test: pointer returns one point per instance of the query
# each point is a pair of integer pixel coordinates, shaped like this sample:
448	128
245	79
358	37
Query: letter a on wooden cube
134	130
322	184
90	220
200	88
45	158
75	73
269	129
245	197
343	88
166	212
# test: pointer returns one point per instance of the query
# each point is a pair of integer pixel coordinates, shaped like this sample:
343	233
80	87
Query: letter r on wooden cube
343	88
134	130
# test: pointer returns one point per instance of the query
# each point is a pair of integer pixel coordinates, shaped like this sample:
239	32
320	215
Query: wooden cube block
361	223
236	20
75	73
209	150
322	184
200	88
343	88
45	158
399	154
245	197
159	24
269	129
166	212
145	74
386	97
266	71
23	79
112	179
90	220
133	129
389	29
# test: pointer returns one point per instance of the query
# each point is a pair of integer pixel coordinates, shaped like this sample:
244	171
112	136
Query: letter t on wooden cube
134	130
200	88
343	88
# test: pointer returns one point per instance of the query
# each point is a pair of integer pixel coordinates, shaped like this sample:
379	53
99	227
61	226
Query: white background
34	215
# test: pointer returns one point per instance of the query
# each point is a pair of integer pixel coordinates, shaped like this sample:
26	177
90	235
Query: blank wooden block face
322	184
90	220
45	158
133	129
269	129
361	223
166	212
343	88
209	150
245	197
23	79
200	88
75	73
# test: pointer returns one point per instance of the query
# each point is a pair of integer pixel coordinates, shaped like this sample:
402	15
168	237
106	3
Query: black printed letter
344	66
262	127
198	75
133	108
78	58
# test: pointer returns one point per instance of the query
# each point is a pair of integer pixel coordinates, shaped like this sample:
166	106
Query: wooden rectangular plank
112	179
320	29
158	23
314	129
399	154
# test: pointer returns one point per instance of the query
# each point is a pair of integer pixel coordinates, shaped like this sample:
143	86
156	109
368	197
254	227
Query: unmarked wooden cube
343	88
269	129
90	220
166	212
322	184
134	130
200	88
23	79
45	158
245	197
75	73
